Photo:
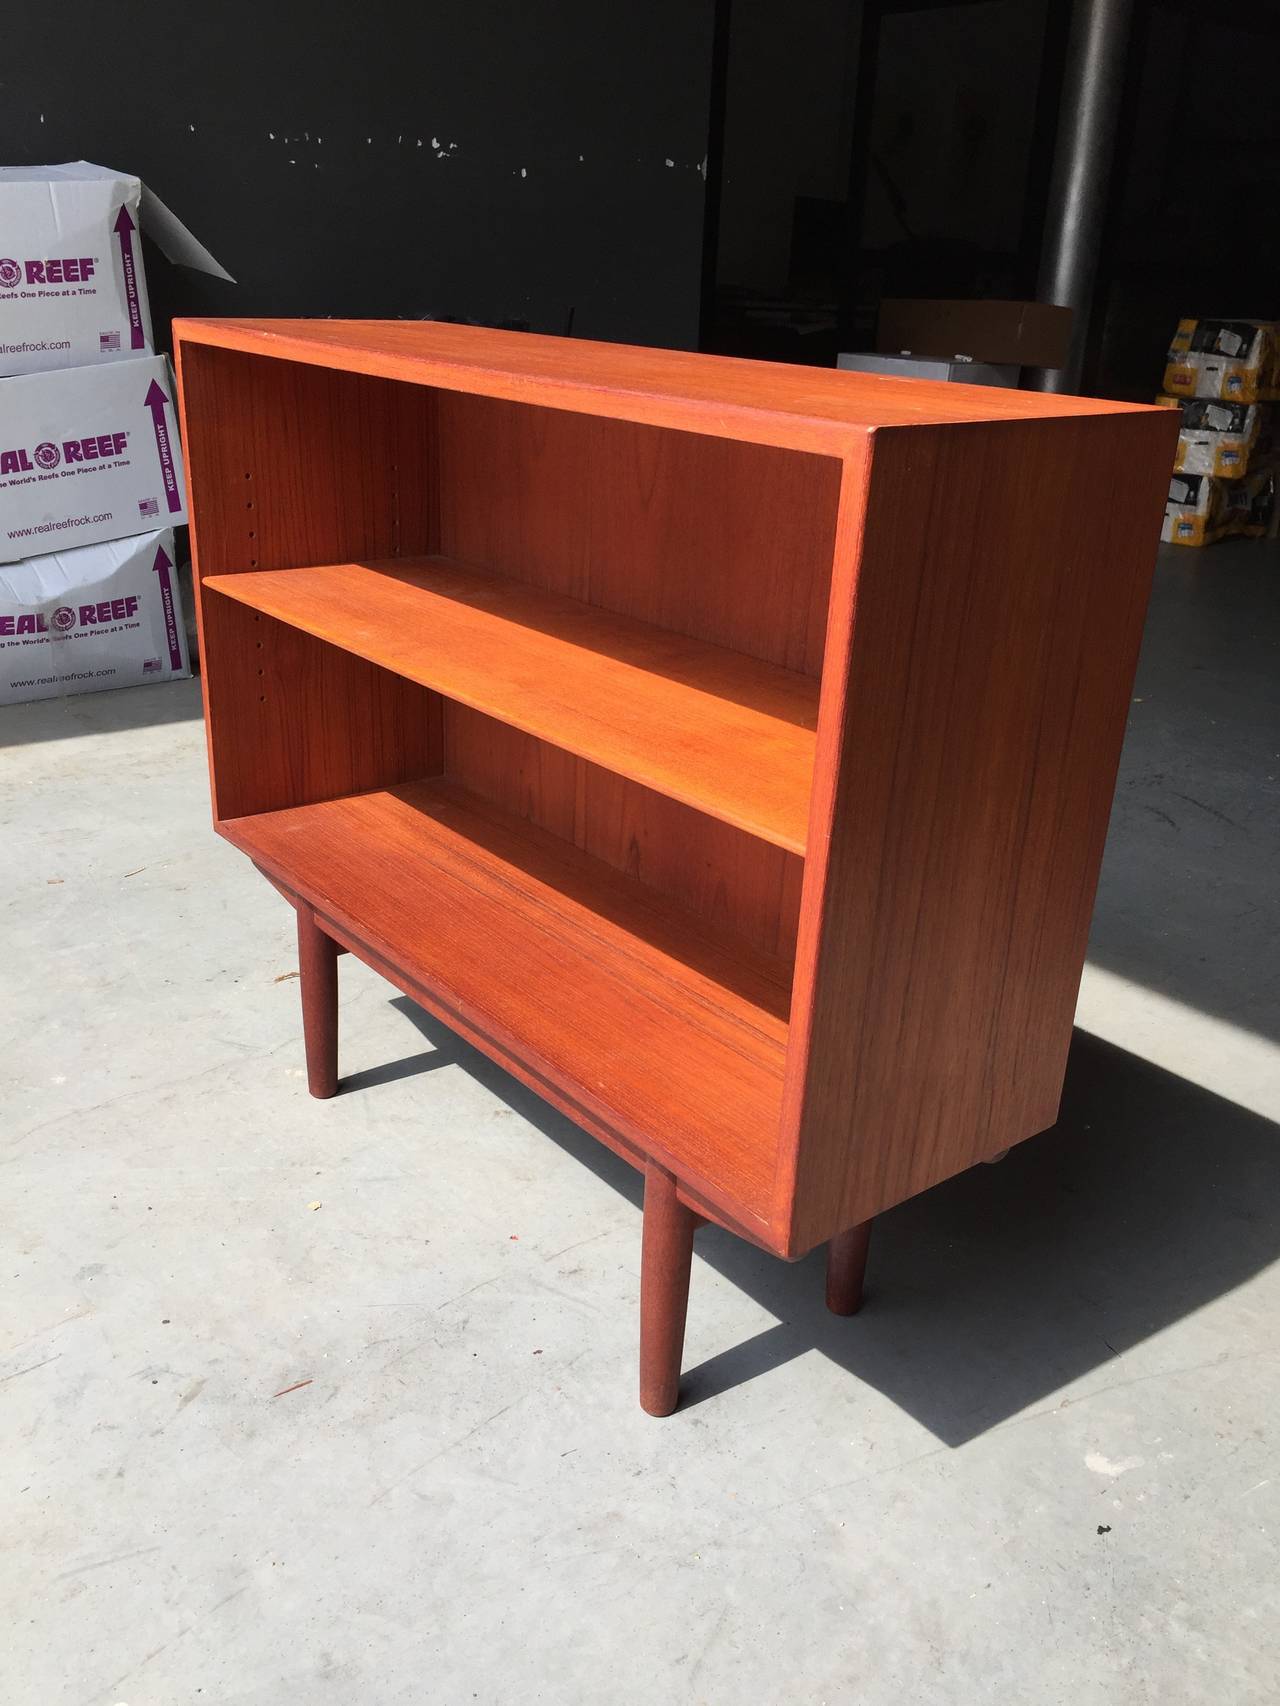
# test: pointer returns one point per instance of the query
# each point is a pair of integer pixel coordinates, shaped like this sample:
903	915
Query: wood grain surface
983	640
290	720
291	464
670	1032
734	880
762	402
727	734
725	542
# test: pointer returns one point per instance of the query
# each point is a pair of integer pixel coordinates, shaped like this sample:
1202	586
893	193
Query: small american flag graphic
151	666
148	506
108	341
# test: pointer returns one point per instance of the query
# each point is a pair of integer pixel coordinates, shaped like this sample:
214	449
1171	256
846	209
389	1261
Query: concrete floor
334	1404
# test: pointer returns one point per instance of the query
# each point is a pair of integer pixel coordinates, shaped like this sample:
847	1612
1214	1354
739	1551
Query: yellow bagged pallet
1230	360
1201	509
1222	438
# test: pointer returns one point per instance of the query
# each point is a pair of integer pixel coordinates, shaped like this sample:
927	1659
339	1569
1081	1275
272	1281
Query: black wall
536	162
1192	228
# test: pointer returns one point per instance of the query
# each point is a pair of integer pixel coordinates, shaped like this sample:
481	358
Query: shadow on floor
1182	906
1150	1198
110	713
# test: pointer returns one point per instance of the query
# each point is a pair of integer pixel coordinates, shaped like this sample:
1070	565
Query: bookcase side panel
290	465
997	604
293	720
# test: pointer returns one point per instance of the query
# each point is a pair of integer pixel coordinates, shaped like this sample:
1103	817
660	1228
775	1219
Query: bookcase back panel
727	542
730	878
292	720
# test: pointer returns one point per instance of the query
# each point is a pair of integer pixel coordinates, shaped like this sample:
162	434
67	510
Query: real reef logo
56	269
98	447
64	617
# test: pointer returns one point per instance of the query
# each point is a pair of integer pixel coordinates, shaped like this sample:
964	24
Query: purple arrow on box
157	401
162	566
124	228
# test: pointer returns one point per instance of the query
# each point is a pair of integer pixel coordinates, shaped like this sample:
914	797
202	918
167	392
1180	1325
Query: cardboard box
88	454
1008	334
97	617
73	289
930	367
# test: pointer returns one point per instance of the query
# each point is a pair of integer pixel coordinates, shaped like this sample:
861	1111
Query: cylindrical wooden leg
666	1255
846	1264
318	972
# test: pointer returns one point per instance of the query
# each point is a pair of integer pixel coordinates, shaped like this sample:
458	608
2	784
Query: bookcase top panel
805	408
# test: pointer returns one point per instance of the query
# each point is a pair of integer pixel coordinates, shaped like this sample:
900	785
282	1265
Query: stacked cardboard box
91	482
1224	376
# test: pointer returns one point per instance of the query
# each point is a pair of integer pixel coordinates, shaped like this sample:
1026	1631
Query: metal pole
1091	89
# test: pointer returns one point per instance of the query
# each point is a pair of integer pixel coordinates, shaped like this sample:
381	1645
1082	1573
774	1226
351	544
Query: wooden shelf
727	734
663	1028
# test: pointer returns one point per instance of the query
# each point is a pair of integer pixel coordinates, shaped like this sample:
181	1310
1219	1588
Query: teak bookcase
725	748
